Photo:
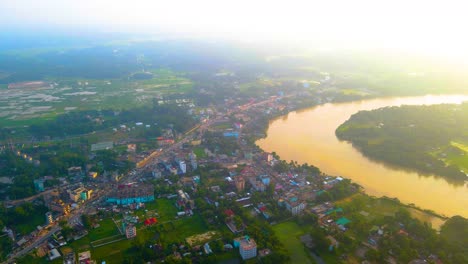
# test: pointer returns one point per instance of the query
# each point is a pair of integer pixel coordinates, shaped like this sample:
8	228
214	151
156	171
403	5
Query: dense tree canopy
430	139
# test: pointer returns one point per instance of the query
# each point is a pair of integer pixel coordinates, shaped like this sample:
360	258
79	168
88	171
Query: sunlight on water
316	143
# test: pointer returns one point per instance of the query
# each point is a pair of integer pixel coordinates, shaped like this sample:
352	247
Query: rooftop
246	242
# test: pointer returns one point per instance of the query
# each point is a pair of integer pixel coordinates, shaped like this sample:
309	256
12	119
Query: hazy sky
437	27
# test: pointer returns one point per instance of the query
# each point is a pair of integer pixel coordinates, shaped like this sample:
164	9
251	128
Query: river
308	136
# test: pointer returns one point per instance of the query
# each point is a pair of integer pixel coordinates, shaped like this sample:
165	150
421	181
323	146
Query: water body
308	136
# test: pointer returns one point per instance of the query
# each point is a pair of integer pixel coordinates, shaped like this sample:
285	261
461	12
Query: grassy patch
222	126
200	152
112	253
177	231
459	145
289	233
106	228
165	208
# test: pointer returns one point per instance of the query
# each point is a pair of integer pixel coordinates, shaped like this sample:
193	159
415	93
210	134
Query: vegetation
423	138
289	233
23	218
79	123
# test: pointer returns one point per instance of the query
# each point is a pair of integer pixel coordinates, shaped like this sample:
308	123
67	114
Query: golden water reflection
308	136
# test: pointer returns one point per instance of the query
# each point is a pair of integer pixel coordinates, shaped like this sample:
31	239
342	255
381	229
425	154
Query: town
208	195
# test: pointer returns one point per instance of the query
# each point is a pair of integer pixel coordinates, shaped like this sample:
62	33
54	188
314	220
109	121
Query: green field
27	106
289	233
222	126
165	208
200	152
460	160
106	228
381	207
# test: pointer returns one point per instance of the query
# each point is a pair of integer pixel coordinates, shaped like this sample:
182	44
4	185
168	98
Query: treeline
84	122
413	137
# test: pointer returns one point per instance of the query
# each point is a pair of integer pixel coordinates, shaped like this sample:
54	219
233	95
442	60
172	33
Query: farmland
21	106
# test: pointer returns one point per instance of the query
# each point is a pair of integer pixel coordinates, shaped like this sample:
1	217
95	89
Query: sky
433	27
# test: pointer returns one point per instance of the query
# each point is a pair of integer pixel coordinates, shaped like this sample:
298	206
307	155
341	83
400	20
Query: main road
129	178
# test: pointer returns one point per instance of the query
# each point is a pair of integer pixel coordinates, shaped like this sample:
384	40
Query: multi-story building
182	166
126	194
49	218
39	185
247	247
130	231
240	183
294	205
75	195
59	206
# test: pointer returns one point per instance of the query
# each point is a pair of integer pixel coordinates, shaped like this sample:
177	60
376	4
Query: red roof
229	212
151	221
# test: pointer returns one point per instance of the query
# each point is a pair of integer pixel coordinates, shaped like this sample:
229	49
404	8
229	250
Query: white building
183	166
247	247
294	206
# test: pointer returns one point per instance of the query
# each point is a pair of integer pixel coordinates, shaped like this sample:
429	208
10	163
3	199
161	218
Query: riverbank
317	144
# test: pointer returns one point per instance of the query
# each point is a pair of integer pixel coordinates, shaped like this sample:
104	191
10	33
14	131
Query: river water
308	136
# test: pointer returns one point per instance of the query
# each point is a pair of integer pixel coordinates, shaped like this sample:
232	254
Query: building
240	183
184	202
102	146
54	254
59	206
234	134
247	247
92	174
69	258
257	184
126	194
265	179
75	171
194	164
39	185
130	231
182	166
131	148
294	205
85	258
268	157
49	218
76	195
86	195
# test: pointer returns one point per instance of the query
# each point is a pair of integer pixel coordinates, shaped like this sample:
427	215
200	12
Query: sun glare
420	26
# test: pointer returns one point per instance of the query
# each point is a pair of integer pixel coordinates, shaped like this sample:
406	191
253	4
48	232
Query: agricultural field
25	104
459	159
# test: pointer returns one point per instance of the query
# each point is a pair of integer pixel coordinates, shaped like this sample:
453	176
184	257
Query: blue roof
343	221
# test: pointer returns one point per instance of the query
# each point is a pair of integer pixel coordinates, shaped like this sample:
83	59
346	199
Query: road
28	199
33	245
74	217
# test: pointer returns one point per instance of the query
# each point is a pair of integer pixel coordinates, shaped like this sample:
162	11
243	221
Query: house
85	257
75	171
53	254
